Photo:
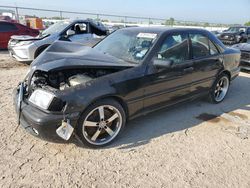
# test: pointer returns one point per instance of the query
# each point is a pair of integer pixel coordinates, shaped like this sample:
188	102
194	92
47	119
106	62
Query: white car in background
27	48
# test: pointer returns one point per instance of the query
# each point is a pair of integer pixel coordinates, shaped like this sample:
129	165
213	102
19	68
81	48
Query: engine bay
63	79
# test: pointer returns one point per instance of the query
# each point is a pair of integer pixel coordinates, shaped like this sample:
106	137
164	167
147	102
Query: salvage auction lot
194	144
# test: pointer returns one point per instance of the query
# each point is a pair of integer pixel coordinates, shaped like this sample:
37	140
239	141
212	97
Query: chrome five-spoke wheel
221	88
102	123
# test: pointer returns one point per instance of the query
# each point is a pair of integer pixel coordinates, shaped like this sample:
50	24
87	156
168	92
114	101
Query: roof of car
94	23
163	29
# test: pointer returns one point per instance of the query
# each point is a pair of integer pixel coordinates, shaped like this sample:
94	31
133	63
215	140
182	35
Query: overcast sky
216	11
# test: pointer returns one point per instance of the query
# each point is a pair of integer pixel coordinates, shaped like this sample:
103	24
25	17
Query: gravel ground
192	145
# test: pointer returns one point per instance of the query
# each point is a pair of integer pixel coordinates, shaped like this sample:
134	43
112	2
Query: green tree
206	25
170	21
247	23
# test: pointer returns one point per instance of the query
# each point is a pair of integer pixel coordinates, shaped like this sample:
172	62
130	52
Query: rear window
7	27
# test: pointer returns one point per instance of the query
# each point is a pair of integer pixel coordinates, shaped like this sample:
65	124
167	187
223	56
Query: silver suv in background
27	48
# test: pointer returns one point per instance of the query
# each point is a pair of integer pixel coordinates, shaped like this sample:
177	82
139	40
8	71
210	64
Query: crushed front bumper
22	53
39	123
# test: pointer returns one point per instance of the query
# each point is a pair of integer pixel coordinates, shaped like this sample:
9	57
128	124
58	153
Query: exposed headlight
22	43
41	98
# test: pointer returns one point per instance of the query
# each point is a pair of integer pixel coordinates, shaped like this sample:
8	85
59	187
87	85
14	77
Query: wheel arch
114	97
227	73
40	49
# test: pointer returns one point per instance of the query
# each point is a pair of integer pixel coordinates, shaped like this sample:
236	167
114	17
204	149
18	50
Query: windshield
236	29
55	28
128	45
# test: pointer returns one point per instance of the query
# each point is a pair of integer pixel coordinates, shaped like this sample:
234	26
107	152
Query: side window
213	48
200	45
80	28
174	48
6	27
248	31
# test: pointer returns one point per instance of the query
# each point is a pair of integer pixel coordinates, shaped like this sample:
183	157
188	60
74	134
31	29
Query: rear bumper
39	123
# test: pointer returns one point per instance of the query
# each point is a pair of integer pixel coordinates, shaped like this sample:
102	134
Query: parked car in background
245	55
235	35
7	19
8	29
216	33
26	49
133	71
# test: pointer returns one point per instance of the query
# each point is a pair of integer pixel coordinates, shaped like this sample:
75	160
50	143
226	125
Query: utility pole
61	15
17	15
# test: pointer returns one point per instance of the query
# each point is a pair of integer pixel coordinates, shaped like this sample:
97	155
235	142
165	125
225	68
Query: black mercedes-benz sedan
72	89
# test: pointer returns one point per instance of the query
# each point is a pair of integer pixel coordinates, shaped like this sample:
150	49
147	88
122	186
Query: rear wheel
220	88
101	123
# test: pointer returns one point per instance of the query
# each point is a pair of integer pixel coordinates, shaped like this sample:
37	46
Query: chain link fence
20	13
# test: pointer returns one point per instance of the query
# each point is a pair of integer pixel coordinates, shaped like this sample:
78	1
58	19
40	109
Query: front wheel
101	123
219	89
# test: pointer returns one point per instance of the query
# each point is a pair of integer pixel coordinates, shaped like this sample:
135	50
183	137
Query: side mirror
70	32
163	64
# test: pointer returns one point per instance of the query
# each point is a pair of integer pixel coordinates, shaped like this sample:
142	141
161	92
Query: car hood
67	55
230	33
242	46
27	37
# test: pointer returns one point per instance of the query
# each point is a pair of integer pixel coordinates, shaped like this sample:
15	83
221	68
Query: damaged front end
45	100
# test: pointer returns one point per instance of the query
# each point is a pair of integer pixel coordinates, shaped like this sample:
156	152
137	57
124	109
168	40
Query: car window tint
200	46
6	27
213	49
174	48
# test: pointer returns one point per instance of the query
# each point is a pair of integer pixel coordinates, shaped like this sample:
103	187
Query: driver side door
167	86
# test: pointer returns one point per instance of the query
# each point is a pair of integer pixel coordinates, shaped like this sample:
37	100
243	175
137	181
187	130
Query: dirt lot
193	145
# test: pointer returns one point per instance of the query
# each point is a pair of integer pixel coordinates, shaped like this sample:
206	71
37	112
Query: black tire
89	113
212	94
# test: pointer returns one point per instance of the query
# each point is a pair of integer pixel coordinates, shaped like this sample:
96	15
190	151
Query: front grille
245	55
227	37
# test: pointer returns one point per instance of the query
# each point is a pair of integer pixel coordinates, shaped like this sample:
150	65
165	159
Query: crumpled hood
65	55
242	46
27	37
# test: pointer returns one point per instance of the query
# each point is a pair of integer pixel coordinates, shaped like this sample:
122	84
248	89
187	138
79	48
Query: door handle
188	70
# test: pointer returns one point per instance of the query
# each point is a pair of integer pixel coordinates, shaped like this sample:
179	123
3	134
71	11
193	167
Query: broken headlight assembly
23	43
41	98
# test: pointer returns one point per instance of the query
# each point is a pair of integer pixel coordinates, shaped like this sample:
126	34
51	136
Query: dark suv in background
235	35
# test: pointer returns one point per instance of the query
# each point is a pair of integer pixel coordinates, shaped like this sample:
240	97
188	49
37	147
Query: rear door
6	31
207	62
173	84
